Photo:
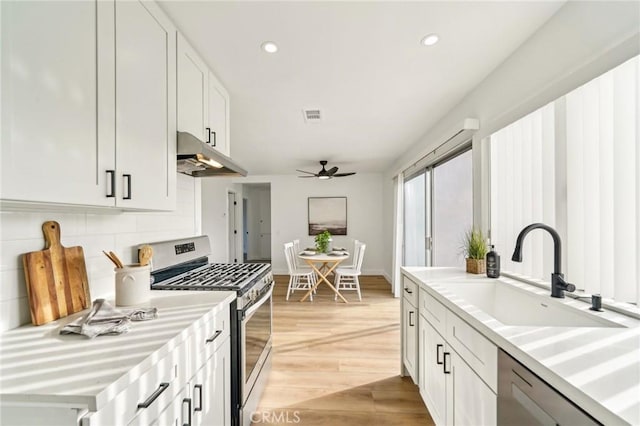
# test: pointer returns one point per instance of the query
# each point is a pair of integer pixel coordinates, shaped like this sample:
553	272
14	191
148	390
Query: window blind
573	165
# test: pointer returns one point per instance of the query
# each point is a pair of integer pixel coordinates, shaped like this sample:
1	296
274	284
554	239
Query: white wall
21	232
581	41
289	214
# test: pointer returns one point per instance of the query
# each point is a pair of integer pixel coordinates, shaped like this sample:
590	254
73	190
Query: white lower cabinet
176	413
173	370
142	401
457	373
211	390
452	391
410	338
432	380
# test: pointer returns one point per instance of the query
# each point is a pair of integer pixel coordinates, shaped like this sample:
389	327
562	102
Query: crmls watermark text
275	417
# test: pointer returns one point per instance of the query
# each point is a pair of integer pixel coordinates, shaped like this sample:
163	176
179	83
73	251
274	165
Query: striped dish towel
103	319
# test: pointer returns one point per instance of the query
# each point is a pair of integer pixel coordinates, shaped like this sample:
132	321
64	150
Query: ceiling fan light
324	177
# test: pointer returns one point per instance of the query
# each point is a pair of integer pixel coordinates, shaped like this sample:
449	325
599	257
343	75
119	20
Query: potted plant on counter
475	249
322	241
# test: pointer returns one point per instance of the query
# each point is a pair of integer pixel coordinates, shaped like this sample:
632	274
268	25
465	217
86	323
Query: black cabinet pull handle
188	401
199	407
444	367
163	387
407	290
214	337
208	129
411	324
214	138
112	183
438	347
128	178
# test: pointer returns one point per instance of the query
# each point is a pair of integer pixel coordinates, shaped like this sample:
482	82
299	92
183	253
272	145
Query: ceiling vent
312	115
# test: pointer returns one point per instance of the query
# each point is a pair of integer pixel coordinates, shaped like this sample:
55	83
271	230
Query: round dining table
323	264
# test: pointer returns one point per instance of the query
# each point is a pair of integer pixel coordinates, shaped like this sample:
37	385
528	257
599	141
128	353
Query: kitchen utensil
144	255
56	278
111	258
117	260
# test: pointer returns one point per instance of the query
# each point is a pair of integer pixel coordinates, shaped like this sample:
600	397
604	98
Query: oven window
257	334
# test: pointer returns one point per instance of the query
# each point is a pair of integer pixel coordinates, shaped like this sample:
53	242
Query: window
415	221
452	208
573	165
438	208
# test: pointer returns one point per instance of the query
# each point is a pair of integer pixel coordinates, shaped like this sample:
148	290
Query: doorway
257	221
232	229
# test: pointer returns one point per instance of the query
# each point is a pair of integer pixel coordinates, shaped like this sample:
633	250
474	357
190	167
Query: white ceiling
360	62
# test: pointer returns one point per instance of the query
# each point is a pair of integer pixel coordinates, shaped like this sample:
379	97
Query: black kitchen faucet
558	284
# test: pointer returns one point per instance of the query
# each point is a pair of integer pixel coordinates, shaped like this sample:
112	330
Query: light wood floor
338	364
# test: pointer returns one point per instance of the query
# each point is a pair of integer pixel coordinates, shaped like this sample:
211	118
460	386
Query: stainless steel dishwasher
525	399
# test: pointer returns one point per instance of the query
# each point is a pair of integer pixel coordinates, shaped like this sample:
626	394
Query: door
231	227
265	223
57	101
245	230
145	106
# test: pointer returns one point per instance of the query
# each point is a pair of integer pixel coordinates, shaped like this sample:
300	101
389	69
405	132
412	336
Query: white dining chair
353	256
299	279
347	278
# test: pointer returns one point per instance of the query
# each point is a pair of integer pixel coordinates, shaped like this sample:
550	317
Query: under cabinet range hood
197	159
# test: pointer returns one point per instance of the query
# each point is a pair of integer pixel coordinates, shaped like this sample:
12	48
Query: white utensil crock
133	285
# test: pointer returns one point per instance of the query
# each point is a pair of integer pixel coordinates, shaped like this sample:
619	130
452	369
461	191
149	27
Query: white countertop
39	365
596	368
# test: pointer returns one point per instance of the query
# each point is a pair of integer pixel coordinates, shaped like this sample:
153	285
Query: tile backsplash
122	232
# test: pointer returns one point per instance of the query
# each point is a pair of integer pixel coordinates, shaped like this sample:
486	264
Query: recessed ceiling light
430	40
269	47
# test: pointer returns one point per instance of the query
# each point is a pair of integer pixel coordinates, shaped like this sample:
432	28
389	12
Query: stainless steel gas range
183	265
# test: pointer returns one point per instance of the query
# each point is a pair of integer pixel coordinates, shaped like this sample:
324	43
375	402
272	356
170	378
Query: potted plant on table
322	241
475	249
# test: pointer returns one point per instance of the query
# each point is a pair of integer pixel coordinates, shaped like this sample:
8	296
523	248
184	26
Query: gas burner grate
215	276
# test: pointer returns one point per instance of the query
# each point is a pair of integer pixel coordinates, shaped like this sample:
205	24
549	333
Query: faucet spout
557	244
558	284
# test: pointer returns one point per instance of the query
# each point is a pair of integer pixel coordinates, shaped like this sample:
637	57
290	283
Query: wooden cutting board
56	277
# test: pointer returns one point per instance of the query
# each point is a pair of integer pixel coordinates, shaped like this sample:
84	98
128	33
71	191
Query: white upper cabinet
218	113
203	102
88	104
145	107
57	102
193	75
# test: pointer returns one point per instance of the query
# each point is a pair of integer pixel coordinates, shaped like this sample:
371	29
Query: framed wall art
328	213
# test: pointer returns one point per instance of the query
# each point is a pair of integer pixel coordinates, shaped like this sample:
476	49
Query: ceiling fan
324	173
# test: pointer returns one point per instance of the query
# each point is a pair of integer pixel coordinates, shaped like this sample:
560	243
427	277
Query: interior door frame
232	226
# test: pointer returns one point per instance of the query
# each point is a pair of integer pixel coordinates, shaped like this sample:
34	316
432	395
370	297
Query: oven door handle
257	305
